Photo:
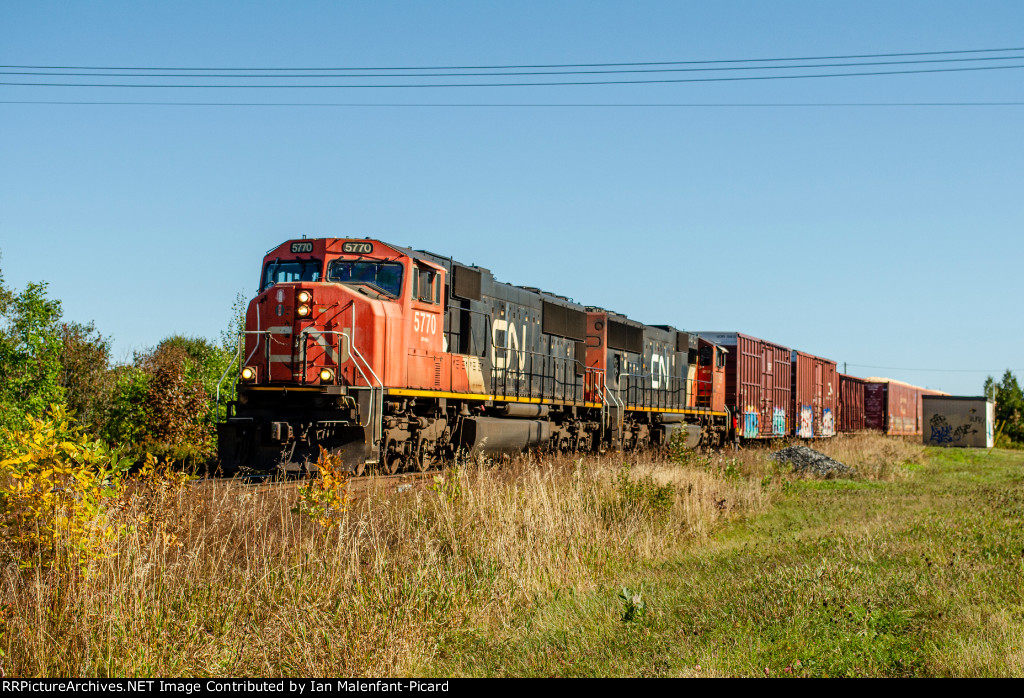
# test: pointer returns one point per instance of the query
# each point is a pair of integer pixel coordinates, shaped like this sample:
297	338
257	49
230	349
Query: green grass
727	564
919	576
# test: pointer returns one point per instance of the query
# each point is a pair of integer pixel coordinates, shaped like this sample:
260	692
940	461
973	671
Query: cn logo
505	341
659	372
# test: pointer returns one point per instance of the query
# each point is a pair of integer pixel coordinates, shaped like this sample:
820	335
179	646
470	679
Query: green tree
30	350
125	414
1009	400
86	376
229	358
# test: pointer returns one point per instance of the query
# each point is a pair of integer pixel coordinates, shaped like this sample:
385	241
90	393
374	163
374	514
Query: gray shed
953	420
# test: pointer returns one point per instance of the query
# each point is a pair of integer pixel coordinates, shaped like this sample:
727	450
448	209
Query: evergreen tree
1009	400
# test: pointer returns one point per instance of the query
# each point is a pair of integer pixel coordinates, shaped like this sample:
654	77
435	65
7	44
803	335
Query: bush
176	406
54	483
325	499
679	452
641	496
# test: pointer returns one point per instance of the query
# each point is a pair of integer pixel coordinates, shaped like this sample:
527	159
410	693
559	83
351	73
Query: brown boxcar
903	409
894	407
758	384
814	392
874	405
890	406
851	403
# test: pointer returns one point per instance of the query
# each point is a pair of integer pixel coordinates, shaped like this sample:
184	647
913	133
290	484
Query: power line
335	74
551	65
605	105
520	84
936	370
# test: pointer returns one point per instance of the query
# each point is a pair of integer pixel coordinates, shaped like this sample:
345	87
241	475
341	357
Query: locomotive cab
335	307
334	323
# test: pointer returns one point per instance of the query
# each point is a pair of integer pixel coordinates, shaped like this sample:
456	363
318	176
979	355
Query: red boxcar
758	384
815	389
851	403
894	407
903	409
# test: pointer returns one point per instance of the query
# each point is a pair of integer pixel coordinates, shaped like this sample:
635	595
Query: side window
721	359
424	286
427	286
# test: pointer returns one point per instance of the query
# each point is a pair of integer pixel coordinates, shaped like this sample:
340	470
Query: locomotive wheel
392	460
423	461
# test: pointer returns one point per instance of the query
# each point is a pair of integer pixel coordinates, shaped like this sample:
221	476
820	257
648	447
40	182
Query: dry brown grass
873	456
218	578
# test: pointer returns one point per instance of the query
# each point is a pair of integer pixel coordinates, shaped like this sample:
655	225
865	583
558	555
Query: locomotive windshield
278	272
381	276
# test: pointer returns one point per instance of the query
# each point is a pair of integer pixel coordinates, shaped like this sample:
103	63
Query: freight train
399	359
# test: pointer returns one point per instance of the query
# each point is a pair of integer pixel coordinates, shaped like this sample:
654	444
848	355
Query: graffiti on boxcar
806	430
751	428
828	425
779	421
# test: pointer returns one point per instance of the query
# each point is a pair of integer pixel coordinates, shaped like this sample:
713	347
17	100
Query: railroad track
398	482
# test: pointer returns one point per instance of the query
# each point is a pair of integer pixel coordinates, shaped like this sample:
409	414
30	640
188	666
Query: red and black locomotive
402	358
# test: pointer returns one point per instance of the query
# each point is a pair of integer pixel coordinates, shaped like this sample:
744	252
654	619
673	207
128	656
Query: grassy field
721	565
920	575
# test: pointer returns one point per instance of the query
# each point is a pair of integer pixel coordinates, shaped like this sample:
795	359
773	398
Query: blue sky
879	236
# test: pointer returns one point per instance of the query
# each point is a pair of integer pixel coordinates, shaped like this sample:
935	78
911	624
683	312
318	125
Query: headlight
326	375
248	374
303	296
302	311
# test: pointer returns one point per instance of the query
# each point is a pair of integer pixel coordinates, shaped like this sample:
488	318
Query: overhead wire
932	370
550	65
604	105
334	74
516	84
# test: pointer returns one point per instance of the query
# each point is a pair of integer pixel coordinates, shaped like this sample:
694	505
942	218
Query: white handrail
380	411
356	356
618	403
352	352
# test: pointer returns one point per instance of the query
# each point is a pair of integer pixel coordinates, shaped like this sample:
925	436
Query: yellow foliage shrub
325	499
54	481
